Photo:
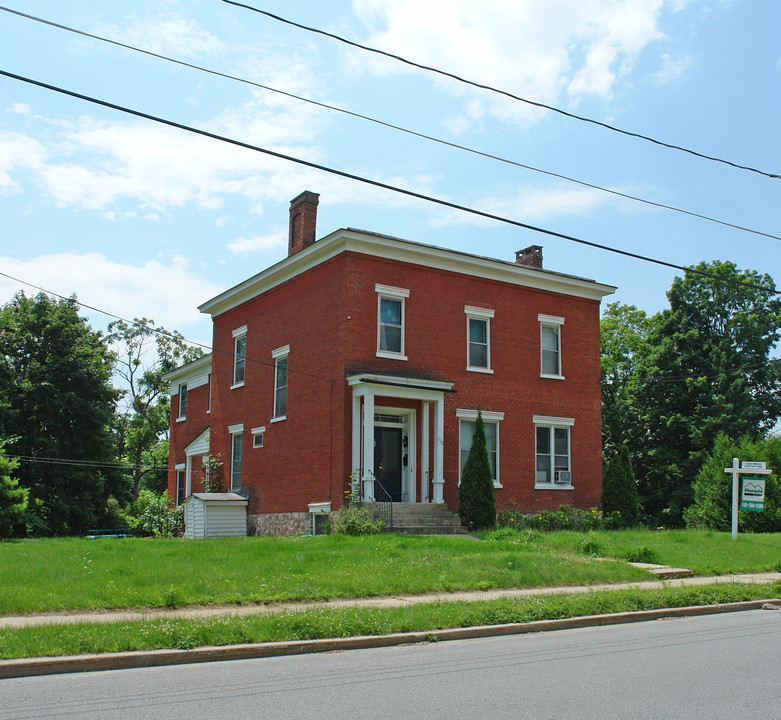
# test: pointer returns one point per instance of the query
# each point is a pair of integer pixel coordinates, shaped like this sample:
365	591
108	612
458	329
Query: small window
257	437
478	338
182	401
280	382
236	442
550	346
390	321
552	452
239	355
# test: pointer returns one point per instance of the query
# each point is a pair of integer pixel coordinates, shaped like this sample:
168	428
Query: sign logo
753	495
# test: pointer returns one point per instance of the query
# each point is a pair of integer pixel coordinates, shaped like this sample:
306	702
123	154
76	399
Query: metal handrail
383	505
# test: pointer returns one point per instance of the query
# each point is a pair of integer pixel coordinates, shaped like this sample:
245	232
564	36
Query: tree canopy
56	411
678	379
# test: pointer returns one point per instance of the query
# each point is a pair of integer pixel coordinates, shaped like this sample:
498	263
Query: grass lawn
324	622
76	574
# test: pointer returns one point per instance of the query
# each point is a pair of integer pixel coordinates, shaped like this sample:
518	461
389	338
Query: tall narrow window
280	382
182	401
239	355
237	437
552	452
180	482
390	321
466	431
550	345
478	338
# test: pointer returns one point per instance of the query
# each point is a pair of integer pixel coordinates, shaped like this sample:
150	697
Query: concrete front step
423	519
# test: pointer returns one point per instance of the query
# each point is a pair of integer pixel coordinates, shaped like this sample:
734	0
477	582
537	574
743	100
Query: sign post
755	468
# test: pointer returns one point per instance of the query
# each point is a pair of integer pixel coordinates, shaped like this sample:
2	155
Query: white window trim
180	468
234	430
553	422
556	322
276	355
392	293
479	313
237	333
488	416
258	432
180	417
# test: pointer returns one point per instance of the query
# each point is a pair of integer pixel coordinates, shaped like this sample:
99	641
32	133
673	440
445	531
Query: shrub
356	521
589	546
476	500
157	515
712	507
565	518
642	554
13	499
619	491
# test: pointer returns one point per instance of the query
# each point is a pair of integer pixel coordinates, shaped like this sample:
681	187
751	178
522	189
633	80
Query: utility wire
481	86
103	465
384	186
392	126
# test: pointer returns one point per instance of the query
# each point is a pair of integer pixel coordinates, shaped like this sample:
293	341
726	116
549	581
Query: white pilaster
368	444
439	450
424	453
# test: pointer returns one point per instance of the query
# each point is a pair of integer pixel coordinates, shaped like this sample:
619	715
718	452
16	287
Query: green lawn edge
323	622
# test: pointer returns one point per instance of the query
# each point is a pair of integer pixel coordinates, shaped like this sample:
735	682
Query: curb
29	667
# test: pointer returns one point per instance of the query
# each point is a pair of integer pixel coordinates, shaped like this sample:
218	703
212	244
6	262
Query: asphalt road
713	666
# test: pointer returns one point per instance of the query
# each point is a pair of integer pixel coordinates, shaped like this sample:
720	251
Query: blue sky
144	220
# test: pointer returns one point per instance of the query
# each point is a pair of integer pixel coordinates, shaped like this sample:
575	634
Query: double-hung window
550	346
181	477
237	438
239	355
478	338
280	356
390	321
552	452
466	431
182	402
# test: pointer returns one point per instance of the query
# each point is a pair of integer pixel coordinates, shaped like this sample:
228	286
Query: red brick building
366	356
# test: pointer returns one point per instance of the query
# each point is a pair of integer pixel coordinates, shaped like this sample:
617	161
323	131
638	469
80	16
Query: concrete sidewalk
111	616
114	661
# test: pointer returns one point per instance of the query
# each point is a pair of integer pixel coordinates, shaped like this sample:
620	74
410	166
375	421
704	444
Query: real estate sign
753	495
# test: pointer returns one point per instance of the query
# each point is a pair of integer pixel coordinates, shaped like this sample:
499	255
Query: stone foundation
299	523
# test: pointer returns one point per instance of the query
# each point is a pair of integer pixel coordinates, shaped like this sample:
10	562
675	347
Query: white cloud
530	205
671	70
18	153
271	241
168	292
20	109
537	50
163	35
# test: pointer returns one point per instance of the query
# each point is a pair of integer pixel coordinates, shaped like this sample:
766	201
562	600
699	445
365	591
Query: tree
619	492
57	409
712	507
706	370
13	499
476	500
624	332
144	353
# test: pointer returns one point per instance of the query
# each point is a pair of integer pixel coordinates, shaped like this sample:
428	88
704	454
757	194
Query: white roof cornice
391	248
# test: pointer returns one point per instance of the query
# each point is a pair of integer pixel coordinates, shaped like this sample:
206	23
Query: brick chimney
530	256
303	222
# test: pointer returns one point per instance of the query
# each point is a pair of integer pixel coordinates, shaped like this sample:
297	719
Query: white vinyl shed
208	515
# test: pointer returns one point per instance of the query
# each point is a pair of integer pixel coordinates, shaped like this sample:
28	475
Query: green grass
53	640
77	574
706	552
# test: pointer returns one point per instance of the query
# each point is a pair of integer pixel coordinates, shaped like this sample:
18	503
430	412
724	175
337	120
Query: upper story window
552	452
550	346
466	430
478	338
258	434
390	321
182	401
239	355
280	382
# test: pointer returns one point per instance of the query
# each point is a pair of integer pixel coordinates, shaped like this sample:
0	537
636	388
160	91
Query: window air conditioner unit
563	477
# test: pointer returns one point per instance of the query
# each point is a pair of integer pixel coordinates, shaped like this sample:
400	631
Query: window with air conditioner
552	452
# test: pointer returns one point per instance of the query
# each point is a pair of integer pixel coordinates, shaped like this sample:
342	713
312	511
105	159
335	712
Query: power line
392	126
101	465
481	86
384	186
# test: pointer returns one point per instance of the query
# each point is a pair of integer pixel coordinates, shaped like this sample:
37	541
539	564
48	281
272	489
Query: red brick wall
184	432
328	316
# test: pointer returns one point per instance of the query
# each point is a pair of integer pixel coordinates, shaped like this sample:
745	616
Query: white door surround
366	387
